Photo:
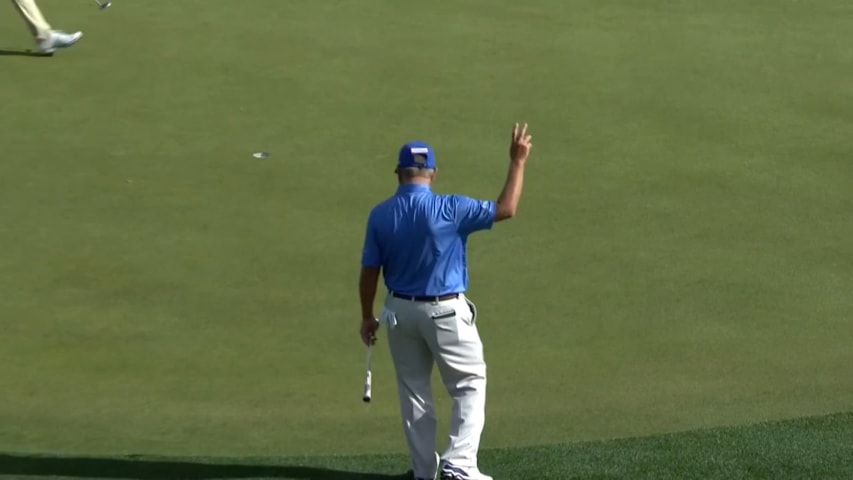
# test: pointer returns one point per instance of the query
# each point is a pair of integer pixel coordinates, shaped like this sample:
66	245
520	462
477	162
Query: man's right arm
371	266
507	204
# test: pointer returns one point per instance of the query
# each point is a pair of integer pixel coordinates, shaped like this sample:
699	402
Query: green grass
807	448
681	259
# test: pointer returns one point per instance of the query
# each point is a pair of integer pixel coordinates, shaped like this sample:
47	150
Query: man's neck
413	186
417	181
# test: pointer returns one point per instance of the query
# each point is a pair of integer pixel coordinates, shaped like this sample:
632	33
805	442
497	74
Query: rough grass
806	448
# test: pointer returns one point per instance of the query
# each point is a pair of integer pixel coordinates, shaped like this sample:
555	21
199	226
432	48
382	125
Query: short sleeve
473	215
371	254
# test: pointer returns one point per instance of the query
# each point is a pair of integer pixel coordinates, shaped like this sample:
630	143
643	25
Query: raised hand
519	148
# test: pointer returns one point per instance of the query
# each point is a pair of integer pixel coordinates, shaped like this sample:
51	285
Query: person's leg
413	364
34	19
47	39
458	349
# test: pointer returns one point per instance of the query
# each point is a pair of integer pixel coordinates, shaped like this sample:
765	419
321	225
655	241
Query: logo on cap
416	155
419	155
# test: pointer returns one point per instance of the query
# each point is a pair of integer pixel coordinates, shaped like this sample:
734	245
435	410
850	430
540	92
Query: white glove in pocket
388	318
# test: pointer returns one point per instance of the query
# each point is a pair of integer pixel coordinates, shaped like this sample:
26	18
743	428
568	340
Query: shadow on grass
5	52
129	468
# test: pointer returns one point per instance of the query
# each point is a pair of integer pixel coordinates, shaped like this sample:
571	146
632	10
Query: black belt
439	298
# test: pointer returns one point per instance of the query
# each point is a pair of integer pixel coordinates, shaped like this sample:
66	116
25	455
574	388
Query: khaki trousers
35	20
423	334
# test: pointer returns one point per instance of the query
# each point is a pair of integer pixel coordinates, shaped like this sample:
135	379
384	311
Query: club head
104	5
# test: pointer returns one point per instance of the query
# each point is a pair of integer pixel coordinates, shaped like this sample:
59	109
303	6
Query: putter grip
367	382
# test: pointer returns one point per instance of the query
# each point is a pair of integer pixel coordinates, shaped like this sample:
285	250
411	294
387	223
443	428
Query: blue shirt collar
413	188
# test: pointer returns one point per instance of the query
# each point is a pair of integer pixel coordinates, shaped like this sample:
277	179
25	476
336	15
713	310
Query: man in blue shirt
417	240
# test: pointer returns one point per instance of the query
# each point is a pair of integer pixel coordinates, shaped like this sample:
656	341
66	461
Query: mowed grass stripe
812	447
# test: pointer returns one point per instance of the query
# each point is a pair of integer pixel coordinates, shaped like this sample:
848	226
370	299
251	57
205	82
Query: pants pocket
446	331
443	313
473	309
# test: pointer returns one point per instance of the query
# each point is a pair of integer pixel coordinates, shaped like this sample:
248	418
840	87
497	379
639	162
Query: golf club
367	379
103	5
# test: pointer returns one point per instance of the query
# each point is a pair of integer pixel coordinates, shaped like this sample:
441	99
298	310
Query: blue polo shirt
418	238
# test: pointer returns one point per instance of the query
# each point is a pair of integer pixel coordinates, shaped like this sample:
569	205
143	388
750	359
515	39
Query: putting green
681	258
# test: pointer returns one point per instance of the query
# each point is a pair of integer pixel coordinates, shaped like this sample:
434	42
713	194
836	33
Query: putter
103	5
367	379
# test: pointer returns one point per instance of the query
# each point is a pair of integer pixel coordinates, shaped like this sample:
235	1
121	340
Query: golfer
47	39
417	239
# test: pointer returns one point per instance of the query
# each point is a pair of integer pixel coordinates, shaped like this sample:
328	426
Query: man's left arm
473	215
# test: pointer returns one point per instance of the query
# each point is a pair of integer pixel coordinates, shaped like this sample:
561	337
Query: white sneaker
449	472
58	39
